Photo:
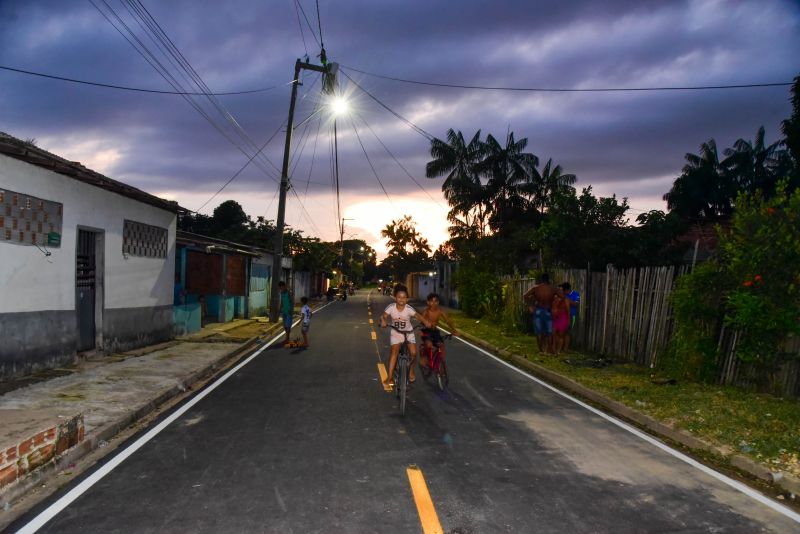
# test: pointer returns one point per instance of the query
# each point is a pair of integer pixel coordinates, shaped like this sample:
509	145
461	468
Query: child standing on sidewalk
305	315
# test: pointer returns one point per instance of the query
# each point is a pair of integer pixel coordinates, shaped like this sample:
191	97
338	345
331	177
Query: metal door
85	289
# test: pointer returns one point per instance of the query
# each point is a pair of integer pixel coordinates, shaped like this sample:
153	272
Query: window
28	220
140	239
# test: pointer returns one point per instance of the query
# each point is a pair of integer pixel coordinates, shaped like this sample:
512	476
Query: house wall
37	293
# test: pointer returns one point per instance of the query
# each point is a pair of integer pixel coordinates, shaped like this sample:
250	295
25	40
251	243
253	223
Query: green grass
764	427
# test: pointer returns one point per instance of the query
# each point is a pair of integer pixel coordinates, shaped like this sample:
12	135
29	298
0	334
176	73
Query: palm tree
548	184
462	187
756	165
704	188
510	172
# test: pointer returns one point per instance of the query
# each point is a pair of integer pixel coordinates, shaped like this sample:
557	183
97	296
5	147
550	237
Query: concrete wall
136	293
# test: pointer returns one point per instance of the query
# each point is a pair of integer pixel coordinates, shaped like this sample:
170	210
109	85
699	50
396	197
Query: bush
752	288
480	293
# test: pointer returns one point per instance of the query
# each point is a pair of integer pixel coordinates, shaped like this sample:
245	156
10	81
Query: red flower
748	283
770	210
758	278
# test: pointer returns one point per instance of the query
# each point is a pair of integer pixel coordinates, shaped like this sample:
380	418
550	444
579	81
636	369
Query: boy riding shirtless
431	336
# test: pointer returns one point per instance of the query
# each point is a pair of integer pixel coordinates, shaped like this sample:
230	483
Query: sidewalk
51	423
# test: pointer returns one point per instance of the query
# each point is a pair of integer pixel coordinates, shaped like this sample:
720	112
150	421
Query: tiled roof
29	153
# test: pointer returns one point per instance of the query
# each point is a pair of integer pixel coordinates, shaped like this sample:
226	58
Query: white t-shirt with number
400	319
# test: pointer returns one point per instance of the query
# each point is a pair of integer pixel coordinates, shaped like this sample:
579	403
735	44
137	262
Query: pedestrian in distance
287	309
574	300
400	314
541	298
305	315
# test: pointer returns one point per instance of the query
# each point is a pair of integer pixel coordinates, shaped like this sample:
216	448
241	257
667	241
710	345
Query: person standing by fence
541	296
574	300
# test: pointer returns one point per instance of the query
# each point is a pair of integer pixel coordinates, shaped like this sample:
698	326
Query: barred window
28	220
140	239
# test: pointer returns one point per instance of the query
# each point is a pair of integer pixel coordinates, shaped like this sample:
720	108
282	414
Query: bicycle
436	363
401	370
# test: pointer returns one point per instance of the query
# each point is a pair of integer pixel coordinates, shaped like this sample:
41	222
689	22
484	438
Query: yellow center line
382	373
370	321
422	498
374	336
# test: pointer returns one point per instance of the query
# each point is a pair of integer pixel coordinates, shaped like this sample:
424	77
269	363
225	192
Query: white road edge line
794	516
54	509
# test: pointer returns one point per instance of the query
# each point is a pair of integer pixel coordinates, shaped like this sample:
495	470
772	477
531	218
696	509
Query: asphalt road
308	441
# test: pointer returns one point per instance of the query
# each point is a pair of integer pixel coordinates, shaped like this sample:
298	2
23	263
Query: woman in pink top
560	313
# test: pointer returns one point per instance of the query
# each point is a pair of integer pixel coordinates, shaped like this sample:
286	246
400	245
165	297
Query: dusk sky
628	143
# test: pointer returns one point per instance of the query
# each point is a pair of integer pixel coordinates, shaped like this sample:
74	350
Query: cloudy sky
628	143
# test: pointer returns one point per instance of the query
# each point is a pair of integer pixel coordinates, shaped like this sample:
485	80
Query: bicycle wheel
403	384
426	369
441	377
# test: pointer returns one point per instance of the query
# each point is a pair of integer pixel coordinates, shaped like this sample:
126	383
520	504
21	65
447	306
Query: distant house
86	262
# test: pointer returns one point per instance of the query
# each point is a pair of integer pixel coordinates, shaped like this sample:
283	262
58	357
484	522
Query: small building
86	262
217	281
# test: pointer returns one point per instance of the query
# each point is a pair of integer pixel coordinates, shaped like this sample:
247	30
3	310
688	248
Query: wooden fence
626	314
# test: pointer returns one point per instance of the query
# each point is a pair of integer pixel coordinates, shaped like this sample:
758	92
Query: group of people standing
554	310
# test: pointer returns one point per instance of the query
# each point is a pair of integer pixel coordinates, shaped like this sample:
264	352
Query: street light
339	106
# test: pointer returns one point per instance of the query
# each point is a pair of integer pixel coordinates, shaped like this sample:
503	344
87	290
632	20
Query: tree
462	186
791	126
704	189
509	171
549	183
755	165
408	250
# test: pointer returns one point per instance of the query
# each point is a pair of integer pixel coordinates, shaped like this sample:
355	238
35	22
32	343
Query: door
85	288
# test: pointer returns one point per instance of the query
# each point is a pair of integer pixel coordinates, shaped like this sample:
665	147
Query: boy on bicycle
431	336
401	313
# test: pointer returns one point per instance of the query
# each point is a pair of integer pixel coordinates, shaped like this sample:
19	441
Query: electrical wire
416	128
300	25
319	21
184	66
398	161
243	167
568	90
136	89
311	29
355	130
150	58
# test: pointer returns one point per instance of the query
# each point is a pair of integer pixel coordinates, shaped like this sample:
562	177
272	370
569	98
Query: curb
784	481
103	434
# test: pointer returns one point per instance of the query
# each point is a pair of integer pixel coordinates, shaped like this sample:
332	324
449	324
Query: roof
203	241
29	153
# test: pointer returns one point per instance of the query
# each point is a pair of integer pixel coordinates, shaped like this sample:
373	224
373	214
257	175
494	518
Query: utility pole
329	72
341	250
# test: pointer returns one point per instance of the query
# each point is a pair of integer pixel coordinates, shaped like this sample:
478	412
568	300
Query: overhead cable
398	161
568	89
136	89
416	128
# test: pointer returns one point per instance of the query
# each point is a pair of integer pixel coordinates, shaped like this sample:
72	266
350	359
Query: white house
86	263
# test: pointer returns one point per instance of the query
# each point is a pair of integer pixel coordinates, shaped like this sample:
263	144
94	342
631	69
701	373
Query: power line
310	28
319	21
150	58
355	130
243	167
136	89
398	161
416	128
567	89
300	25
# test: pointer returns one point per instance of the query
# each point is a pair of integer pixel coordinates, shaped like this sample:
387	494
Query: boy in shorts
431	337
401	313
305	315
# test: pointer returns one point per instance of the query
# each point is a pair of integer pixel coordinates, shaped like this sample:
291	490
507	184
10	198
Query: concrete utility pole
341	249
329	73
